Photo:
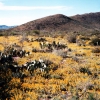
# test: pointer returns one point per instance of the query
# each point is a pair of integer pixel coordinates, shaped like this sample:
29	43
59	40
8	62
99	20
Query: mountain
6	27
91	19
78	23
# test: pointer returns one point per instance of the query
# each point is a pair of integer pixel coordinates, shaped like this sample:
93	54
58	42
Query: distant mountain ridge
78	23
6	27
91	19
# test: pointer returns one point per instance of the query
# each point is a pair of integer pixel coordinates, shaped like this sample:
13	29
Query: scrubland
73	75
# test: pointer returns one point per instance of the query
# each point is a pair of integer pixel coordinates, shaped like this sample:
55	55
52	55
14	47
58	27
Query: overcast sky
17	12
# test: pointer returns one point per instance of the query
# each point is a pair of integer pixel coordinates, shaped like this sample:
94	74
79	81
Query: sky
17	12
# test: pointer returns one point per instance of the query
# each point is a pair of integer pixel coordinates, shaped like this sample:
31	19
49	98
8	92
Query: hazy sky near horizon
17	12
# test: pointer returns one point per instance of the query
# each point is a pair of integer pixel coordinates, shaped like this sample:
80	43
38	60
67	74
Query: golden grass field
65	83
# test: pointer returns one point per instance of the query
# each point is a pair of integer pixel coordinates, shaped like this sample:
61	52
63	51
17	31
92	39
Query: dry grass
65	82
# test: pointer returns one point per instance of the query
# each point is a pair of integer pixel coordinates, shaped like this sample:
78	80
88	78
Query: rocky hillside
92	20
78	23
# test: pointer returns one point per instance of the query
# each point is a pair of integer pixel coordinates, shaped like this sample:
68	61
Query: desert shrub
5	87
85	70
95	41
57	98
40	39
46	75
90	86
71	38
80	54
48	61
74	98
96	50
91	96
85	38
63	87
56	76
35	50
36	32
61	53
1	34
69	49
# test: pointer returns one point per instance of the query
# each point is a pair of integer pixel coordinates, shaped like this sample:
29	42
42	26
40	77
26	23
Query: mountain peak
60	22
59	15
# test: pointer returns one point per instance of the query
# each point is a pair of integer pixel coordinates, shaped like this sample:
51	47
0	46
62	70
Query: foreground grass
76	78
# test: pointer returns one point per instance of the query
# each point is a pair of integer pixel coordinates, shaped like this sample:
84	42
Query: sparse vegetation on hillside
60	23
